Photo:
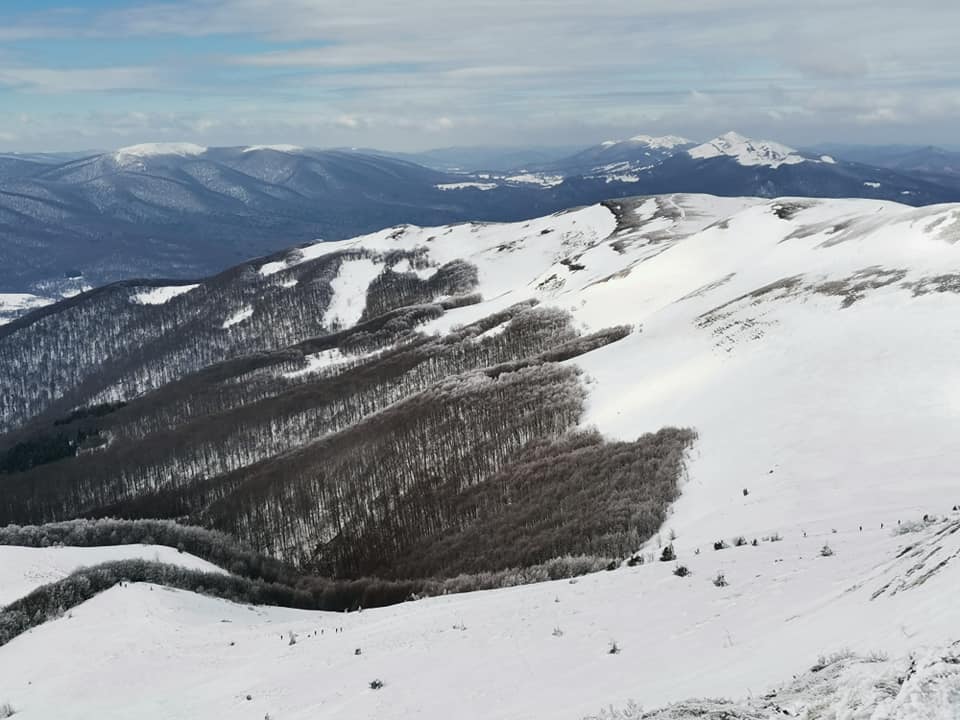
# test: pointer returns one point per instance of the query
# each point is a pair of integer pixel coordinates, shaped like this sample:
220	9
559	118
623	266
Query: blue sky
427	73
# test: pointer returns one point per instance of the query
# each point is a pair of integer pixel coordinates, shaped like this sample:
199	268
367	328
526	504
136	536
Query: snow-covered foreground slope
531	652
812	345
23	569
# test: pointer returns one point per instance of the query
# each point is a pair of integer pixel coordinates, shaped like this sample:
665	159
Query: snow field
23	569
811	344
155	653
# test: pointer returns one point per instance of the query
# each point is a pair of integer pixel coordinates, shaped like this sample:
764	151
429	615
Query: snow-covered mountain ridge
180	210
658	142
747	152
810	343
782	297
732	164
158	149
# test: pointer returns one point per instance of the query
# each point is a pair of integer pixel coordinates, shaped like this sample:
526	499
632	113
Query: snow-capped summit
747	151
156	149
663	142
617	160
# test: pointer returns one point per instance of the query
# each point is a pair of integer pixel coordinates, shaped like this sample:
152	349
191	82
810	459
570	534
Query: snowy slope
787	332
814	404
13	305
146	150
277	148
23	569
747	152
508	256
660	142
617	159
161	295
149	652
811	344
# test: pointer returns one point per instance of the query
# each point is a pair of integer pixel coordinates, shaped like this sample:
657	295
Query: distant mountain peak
275	148
663	142
747	151
157	149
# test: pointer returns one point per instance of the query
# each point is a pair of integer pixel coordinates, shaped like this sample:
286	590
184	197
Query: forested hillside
398	404
354	409
717	399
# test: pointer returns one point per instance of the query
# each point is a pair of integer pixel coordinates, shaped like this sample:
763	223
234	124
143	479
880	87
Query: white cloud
46	80
388	73
351	122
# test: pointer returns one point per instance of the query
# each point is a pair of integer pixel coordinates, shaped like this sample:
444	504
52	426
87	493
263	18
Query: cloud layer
420	73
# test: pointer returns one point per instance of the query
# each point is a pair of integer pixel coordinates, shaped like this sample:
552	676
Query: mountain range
933	163
182	211
714	402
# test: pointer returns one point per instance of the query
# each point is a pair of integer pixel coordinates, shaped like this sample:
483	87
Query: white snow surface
466	186
350	291
622	178
535	179
404	266
656	142
811	344
295	257
148	652
747	152
76	290
23	569
244	313
665	142
13	305
161	295
508	256
157	149
276	148
325	360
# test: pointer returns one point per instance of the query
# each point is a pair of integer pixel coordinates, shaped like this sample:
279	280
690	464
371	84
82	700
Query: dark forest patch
574	495
399	462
